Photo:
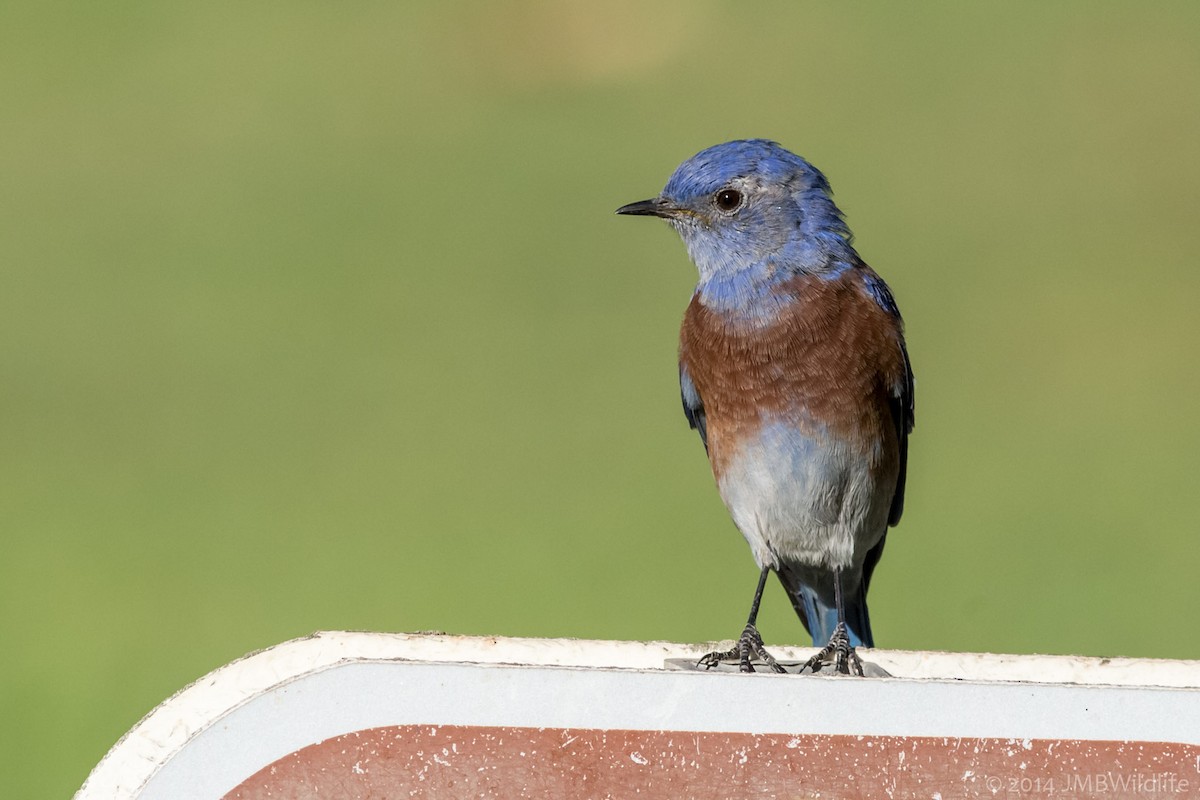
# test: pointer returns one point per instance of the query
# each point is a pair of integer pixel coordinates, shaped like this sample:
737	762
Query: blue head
752	215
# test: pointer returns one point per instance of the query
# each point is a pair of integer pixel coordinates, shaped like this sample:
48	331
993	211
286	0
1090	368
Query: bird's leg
845	658
750	643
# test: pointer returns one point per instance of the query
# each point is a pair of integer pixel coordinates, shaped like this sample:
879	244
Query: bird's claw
839	653
749	644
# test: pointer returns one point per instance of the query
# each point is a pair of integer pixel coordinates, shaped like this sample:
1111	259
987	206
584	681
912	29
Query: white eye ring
728	200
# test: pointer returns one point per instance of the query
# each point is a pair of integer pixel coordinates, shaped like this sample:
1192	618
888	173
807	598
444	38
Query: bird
793	369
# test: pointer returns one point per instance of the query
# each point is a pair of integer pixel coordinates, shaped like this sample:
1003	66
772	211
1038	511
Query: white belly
806	500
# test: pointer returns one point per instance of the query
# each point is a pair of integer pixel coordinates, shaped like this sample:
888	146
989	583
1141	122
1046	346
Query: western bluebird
793	369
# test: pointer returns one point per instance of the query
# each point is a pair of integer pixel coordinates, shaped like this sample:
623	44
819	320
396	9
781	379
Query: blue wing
693	406
901	404
902	414
902	395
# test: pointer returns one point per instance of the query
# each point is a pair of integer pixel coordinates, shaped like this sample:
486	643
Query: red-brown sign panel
422	761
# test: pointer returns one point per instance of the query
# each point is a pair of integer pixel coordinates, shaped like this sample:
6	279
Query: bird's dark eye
727	199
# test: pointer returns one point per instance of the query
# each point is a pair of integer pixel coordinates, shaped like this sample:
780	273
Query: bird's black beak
650	208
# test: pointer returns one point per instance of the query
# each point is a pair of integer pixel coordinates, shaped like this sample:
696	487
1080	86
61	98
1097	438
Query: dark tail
818	613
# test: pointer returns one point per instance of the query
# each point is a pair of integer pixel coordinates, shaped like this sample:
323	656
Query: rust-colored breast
828	364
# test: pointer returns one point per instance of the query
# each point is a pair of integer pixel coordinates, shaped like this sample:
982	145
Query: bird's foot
748	645
838	653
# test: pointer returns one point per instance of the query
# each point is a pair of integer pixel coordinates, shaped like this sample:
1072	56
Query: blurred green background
317	316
